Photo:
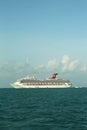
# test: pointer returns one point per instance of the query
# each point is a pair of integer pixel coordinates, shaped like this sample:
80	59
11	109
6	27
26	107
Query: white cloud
52	64
65	59
84	68
64	68
39	67
69	64
73	65
66	65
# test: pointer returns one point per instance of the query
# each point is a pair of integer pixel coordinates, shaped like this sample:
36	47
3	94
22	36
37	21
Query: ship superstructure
31	82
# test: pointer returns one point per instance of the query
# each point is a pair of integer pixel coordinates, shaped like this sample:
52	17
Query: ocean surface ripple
43	109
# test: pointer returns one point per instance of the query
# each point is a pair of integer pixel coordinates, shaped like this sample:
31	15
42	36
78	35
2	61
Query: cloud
69	64
52	64
84	68
13	69
65	67
65	59
66	64
73	65
39	67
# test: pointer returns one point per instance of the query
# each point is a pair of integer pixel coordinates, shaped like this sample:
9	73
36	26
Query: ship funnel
54	75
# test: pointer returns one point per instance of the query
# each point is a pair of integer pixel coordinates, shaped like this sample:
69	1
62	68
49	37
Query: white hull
41	86
31	82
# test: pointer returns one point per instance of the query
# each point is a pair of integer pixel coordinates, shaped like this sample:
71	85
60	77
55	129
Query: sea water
43	109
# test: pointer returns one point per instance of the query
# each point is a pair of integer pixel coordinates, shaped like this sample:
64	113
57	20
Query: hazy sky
43	36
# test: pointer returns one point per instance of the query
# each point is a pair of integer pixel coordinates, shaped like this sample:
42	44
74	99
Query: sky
40	37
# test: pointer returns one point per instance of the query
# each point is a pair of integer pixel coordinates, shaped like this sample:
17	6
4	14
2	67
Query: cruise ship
31	82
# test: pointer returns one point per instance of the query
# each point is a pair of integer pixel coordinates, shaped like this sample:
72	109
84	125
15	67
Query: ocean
43	109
